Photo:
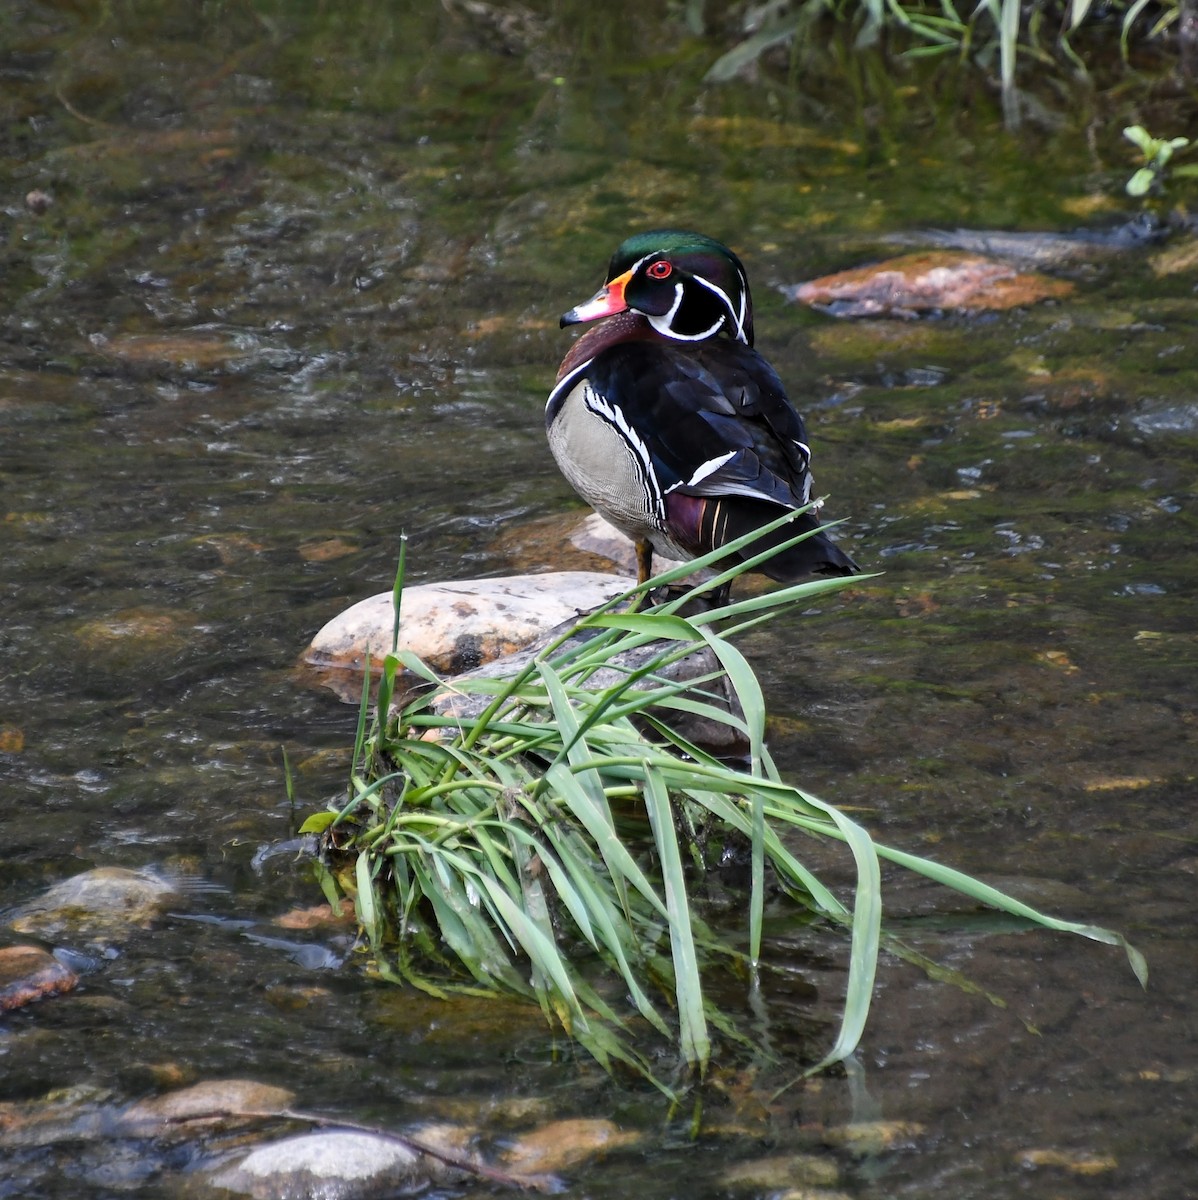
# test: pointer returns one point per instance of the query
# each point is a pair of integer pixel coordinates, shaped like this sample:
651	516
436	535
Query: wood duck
667	421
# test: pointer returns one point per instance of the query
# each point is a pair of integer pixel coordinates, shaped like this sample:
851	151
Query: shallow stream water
296	292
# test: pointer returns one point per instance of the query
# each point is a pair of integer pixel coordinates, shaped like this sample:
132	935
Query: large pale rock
458	626
491	627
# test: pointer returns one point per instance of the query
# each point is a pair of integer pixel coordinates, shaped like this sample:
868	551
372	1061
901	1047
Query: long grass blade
695	1040
542	951
616	857
610	931
397	590
1008	37
367	907
991	896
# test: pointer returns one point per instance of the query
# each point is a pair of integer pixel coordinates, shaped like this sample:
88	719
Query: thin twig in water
78	115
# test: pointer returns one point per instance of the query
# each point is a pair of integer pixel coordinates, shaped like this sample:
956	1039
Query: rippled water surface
296	292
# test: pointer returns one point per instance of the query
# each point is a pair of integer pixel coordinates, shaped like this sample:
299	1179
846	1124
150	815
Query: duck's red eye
659	270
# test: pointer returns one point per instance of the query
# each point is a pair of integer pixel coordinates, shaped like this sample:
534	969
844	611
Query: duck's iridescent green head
689	287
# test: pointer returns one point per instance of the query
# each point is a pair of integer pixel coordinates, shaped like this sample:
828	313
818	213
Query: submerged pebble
867	1138
1177	259
211	1100
782	1173
99	906
1164	420
29	973
1075	1162
564	1144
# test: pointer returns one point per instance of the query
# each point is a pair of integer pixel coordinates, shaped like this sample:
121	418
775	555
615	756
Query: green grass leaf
688	985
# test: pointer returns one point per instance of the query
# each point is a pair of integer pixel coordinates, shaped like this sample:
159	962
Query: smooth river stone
332	1165
28	973
931	280
458	626
101	906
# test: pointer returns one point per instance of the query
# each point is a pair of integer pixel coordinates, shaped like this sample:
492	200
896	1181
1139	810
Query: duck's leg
644	561
644	568
721	595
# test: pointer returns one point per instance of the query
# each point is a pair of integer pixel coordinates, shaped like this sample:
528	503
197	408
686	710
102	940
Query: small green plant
500	845
1157	154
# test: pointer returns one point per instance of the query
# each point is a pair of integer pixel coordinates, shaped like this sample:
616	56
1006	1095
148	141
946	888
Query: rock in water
561	1145
458	626
926	282
332	1165
101	906
211	1100
27	973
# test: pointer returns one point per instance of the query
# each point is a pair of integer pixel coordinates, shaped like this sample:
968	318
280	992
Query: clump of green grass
995	35
485	853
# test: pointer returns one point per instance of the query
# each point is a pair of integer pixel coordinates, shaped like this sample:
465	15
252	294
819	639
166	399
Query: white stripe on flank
612	414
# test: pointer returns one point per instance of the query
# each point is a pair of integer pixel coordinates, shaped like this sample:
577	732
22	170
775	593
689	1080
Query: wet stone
458	626
928	282
782	1173
73	1115
145	625
134	641
99	906
564	1144
1166	420
563	542
1075	1162
317	916
334	1165
811	1193
594	535
29	973
38	201
211	1100
202	349
868	1138
1177	259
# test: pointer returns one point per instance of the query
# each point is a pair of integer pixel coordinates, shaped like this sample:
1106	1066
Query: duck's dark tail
706	522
